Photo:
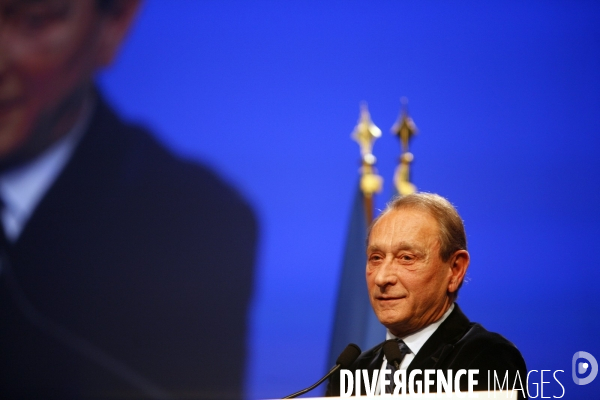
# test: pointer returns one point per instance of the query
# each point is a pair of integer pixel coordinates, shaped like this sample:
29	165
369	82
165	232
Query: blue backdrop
506	96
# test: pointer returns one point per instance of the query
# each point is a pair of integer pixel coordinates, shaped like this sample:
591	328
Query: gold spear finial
365	133
405	129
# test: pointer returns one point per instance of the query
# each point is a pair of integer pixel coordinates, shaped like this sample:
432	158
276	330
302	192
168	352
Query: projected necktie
404	350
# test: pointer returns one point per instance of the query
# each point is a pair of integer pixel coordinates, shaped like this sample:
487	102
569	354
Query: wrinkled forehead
408	208
406	222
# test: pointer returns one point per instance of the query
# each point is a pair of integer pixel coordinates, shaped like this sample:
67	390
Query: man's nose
386	274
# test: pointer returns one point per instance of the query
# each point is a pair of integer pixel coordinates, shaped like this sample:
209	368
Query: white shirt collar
22	188
414	342
418	339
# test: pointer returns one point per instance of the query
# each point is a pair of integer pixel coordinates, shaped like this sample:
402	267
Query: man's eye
407	257
375	257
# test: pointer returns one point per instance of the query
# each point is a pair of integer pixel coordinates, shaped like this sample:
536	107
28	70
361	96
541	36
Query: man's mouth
389	298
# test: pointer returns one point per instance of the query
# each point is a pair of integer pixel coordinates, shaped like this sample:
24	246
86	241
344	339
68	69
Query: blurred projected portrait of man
125	272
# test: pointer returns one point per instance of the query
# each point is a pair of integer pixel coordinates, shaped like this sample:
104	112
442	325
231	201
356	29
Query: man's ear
459	262
115	21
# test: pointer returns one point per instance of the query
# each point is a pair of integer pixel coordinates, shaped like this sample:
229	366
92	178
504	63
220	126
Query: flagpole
365	133
405	129
354	320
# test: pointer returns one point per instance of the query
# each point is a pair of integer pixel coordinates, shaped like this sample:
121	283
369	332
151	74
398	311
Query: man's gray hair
452	230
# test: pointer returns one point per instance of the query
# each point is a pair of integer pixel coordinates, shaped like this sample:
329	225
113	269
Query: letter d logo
582	367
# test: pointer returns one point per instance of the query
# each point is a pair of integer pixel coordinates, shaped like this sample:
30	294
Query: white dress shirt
414	343
22	188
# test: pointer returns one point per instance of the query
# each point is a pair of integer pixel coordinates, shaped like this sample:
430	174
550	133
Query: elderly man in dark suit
124	272
416	262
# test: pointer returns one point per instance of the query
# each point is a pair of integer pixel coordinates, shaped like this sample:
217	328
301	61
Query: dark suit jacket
456	344
132	278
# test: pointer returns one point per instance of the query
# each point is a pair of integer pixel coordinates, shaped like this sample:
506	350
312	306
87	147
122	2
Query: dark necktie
404	350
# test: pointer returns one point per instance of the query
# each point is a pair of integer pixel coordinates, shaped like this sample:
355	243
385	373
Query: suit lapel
375	361
82	177
48	256
442	342
370	360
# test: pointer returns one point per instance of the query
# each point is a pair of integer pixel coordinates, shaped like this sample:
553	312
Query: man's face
407	280
49	51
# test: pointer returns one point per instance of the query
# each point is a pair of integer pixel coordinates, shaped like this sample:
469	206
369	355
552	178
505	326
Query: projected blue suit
131	280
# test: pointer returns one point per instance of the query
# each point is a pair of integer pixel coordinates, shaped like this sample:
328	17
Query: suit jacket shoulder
457	344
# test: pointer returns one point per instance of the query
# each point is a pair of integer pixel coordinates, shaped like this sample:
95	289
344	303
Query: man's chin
391	318
15	131
11	155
